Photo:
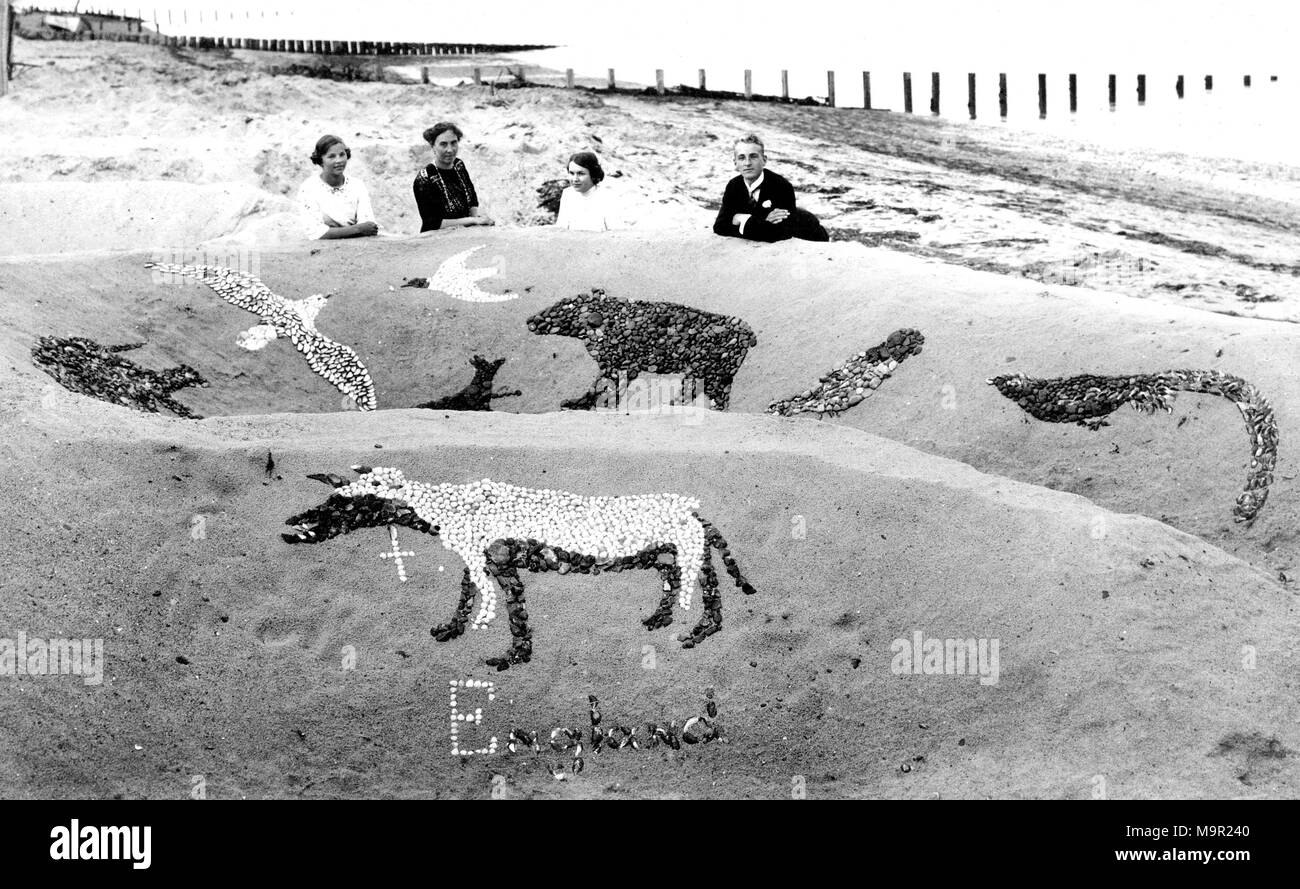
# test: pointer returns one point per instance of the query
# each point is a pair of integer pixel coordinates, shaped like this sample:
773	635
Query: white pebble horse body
471	517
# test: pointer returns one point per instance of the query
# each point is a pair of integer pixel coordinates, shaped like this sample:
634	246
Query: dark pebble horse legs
671	575
456	625
521	646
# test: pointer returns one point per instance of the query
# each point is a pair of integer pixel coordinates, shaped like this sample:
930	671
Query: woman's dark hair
323	145
589	162
432	133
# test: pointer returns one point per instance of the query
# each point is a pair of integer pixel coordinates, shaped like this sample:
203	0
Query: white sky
1197	34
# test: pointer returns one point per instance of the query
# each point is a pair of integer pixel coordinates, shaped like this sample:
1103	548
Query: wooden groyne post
1074	93
785	84
1178	86
830	88
704	82
6	44
749	84
1209	82
1245	81
659	81
1110	87
1142	89
866	90
907	92
568	78
1042	95
611	78
970	94
934	92
1002	95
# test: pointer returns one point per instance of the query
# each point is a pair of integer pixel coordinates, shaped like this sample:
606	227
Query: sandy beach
1143	634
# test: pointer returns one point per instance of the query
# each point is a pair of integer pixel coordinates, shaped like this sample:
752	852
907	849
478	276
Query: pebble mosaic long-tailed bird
1087	400
294	320
497	528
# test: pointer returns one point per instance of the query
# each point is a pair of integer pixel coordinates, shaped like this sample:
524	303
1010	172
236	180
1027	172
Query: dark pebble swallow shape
84	366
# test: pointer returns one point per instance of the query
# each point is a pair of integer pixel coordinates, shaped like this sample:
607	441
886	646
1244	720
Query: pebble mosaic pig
498	528
654	337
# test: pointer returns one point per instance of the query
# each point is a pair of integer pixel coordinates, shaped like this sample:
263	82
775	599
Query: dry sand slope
1123	641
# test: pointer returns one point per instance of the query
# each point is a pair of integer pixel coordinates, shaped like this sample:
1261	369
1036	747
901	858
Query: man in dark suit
759	205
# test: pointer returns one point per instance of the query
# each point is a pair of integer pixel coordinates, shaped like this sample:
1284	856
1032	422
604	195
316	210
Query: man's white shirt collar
757	183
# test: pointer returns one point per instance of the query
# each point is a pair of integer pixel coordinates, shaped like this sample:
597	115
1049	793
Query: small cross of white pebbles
396	554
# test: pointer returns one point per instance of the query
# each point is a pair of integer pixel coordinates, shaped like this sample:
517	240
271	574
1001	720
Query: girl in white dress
583	206
334	205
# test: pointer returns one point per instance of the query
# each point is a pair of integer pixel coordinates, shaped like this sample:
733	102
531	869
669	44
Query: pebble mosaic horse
498	528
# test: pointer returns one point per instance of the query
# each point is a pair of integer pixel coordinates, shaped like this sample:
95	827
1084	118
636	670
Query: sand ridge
1144	639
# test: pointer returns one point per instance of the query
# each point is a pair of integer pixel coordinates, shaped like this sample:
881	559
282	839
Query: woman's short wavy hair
432	133
589	162
323	145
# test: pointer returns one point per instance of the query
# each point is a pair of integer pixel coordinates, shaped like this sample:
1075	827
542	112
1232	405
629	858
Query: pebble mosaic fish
497	528
1087	400
294	320
855	380
653	337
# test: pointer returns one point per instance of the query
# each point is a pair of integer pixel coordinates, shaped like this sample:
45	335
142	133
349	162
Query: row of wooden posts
316	47
1179	88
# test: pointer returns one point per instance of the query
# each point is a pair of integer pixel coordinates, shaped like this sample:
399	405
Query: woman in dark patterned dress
443	190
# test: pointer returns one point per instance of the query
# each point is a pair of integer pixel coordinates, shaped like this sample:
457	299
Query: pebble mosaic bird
1087	400
497	528
460	282
294	320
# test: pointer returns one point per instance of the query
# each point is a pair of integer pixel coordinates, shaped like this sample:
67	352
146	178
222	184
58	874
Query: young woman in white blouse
335	205
583	206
